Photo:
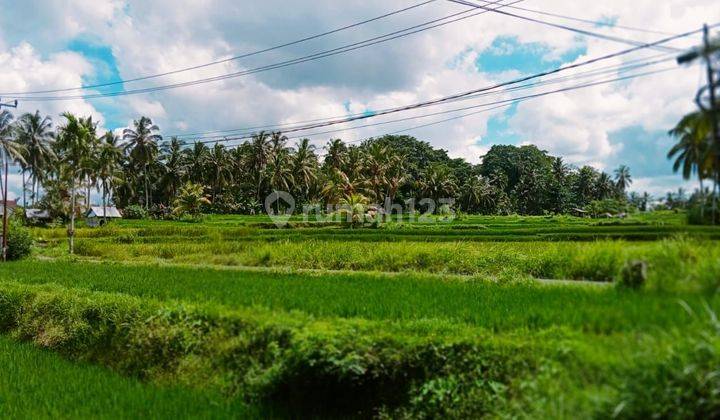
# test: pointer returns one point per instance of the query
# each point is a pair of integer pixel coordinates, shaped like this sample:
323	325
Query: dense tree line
142	169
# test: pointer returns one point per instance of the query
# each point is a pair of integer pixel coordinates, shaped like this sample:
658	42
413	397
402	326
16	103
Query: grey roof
110	212
37	214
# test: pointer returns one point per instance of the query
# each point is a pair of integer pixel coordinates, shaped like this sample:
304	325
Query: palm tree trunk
24	189
104	200
147	193
5	210
702	200
71	231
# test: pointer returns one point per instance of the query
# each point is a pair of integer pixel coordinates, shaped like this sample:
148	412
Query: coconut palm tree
11	151
305	165
190	200
74	142
438	182
143	145
623	179
604	187
173	167
478	194
260	153
107	165
36	135
221	166
692	149
336	154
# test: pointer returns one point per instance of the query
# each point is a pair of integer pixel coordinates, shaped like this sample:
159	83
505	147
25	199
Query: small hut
37	216
96	216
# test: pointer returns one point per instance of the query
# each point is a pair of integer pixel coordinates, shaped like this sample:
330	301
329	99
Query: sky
51	44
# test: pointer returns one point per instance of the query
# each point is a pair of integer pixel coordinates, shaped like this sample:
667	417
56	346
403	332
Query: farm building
95	216
37	215
11	204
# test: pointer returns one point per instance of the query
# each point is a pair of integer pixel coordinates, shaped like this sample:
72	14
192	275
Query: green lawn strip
301	365
400	297
680	262
287	359
41	385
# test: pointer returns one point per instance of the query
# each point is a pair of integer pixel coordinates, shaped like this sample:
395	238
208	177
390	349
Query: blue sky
72	42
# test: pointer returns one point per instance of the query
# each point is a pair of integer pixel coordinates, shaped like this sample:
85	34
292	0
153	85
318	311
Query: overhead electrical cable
489	104
560	26
455	17
496	86
595	72
234	58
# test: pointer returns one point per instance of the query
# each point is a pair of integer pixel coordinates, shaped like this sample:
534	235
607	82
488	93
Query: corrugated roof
110	212
37	214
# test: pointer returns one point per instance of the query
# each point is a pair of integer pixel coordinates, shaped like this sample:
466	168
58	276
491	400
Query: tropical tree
260	152
305	165
623	179
438	183
173	167
190	200
478	195
35	133
108	164
142	142
353	208
73	146
221	167
11	151
691	152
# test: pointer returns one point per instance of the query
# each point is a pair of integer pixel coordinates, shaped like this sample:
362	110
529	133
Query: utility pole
6	192
706	52
715	147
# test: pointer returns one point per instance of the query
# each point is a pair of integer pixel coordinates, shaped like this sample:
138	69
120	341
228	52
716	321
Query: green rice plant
40	384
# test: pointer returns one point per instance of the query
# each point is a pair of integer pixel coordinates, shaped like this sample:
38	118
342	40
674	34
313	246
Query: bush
19	242
135	212
696	215
634	274
310	367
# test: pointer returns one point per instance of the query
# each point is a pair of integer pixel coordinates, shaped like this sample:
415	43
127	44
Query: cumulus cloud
163	35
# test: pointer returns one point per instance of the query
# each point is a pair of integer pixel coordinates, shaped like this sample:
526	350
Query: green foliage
20	242
335	367
135	212
634	275
39	384
683	381
190	200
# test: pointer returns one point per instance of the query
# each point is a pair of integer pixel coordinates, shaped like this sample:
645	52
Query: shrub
310	367
634	274
19	242
135	212
684	383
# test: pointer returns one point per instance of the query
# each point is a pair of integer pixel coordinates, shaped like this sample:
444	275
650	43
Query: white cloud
163	35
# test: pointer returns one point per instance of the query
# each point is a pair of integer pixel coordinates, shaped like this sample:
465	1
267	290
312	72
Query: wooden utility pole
715	145
6	193
706	52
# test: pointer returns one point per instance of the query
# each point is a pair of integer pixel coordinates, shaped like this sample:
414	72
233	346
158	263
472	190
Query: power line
511	103
494	105
592	22
559	26
235	58
632	65
455	17
493	87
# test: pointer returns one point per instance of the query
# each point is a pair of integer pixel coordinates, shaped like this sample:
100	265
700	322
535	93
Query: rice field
478	317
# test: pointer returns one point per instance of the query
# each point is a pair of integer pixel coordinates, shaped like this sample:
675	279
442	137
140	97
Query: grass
41	385
406	297
417	320
673	262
